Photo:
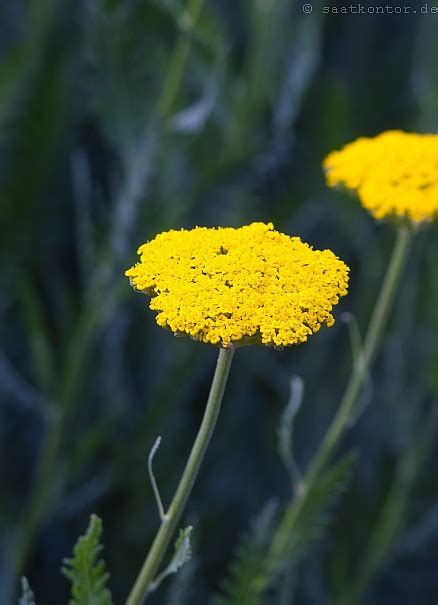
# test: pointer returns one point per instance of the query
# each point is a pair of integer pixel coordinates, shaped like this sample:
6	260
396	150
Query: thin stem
169	523
354	388
373	337
153	481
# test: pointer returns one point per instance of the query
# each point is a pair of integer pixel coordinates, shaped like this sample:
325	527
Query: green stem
372	340
354	388
171	518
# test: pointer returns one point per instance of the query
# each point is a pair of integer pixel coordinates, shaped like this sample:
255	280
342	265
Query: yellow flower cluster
395	174
231	287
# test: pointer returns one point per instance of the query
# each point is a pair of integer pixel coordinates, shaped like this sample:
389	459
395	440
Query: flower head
230	286
394	174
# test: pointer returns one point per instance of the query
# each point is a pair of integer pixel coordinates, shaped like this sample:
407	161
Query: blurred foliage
121	119
27	596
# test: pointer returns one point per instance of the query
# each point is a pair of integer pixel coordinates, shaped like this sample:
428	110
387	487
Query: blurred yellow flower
395	174
230	286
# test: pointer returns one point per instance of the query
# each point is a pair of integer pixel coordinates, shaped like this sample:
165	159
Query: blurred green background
123	118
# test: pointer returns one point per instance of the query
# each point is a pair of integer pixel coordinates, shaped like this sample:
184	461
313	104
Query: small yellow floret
230	286
395	174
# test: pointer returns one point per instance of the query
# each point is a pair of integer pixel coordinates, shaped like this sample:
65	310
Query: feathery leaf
248	569
86	570
259	565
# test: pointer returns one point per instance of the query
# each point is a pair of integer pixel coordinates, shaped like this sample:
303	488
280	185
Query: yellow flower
395	174
230	286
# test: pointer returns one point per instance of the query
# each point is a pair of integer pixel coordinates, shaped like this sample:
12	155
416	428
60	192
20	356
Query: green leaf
303	523
42	357
27	596
314	514
248	568
273	550
182	554
86	570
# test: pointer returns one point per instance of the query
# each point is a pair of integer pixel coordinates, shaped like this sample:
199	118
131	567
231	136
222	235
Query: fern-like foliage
257	566
248	568
86	570
315	512
27	596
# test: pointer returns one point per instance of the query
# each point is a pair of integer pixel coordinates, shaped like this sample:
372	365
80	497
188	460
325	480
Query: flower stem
172	516
348	403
